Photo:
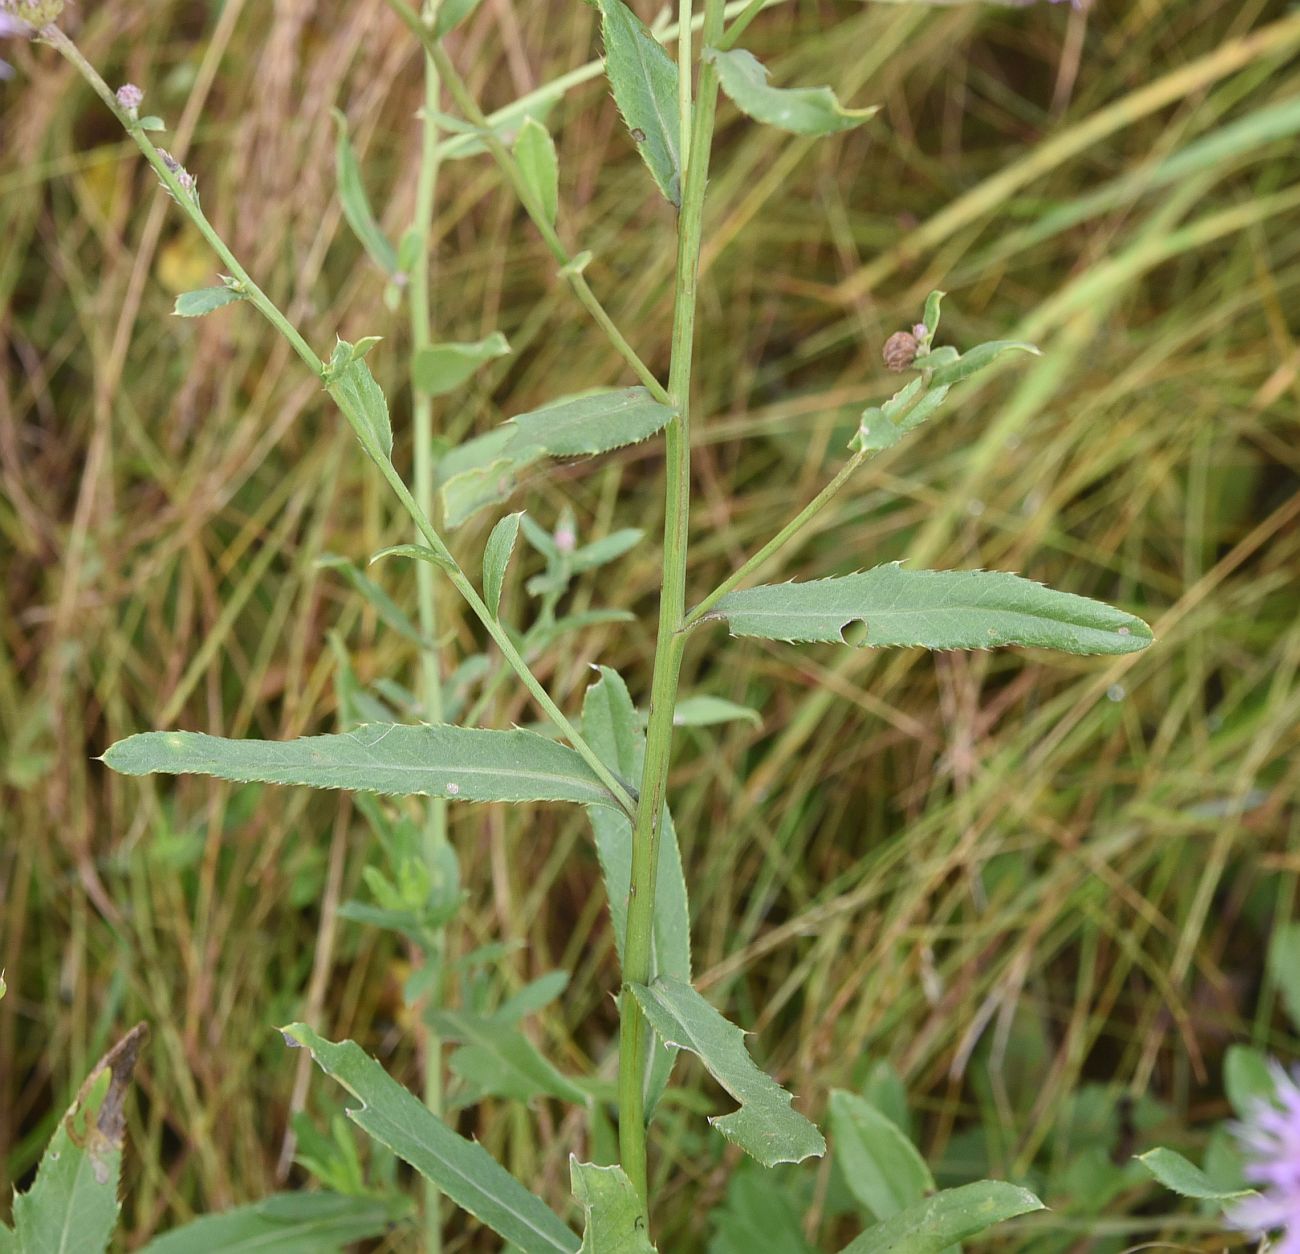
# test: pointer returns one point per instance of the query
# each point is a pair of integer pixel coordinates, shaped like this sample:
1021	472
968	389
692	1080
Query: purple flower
9	27
129	96
1269	1138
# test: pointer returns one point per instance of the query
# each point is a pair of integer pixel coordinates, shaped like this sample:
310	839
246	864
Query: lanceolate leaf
287	1223
932	1226
881	1167
441	368
535	153
766	1126
464	763
462	1169
615	1221
496	557
204	301
1186	1179
590	424
363	403
703	710
982	355
502	1060
803	110
952	609
72	1204
356	205
644	81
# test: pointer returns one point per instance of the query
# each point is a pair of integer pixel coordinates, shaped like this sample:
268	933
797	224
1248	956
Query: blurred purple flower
9	27
1269	1138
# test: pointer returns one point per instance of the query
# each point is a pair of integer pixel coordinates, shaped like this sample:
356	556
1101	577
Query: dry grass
1007	874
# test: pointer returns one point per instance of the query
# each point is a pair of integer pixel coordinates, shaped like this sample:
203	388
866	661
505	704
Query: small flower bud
920	330
900	350
130	97
565	539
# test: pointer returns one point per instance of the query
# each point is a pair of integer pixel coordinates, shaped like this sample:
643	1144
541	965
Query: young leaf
880	1165
442	368
803	110
501	1060
584	425
766	1126
932	1226
1185	1179
285	1223
363	403
417	552
702	710
1247	1079
465	763
612	727
945	371
931	316
615	1221
204	301
496	557
451	13
356	205
884	426
374	595
1284	968
759	1216
462	1169
72	1204
643	78
535	153
950	609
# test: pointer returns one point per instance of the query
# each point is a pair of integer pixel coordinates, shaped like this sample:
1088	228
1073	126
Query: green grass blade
803	110
463	763
286	1223
932	1226
953	609
643	78
462	1169
615	1220
766	1126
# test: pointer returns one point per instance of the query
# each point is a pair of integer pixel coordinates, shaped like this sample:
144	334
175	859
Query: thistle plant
608	759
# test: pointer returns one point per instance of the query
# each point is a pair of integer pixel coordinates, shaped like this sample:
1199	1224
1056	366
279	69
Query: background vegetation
1042	889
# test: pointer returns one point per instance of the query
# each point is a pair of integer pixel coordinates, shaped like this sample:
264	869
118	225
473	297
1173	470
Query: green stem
265	306
778	541
741	24
504	158
638	946
430	687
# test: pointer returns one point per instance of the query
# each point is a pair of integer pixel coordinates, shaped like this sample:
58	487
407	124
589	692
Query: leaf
501	1060
612	727
204	301
451	13
152	123
759	1215
441	368
462	1169
585	425
933	1225
1247	1079
643	78
880	1165
72	1204
418	552
1186	1179
952	609
606	549
615	1221
363	403
931	316
496	557
467	763
285	1223
480	472
374	595
355	202
702	710
884	426
979	357
534	995
803	110
1284	968
766	1126
535	153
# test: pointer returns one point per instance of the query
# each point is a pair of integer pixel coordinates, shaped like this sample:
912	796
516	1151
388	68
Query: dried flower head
183	176
1270	1143
900	350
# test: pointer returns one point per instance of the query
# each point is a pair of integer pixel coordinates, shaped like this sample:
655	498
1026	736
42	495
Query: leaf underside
960	609
766	1126
462	763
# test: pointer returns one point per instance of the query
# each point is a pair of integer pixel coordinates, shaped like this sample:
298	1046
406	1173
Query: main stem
430	678
637	949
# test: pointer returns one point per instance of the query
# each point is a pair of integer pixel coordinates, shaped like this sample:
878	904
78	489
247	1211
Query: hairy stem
267	308
637	948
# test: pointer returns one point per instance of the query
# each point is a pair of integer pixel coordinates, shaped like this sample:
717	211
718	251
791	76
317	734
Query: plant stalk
638	946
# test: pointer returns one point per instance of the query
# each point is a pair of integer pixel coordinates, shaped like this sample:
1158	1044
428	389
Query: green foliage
803	110
880	1165
703	710
938	1222
462	1169
464	763
355	202
204	301
451	13
286	1223
766	1126
643	78
439	369
362	401
1184	1178
499	1060
535	153
496	557
615	1221
956	609
1284	967
72	1204
761	1214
